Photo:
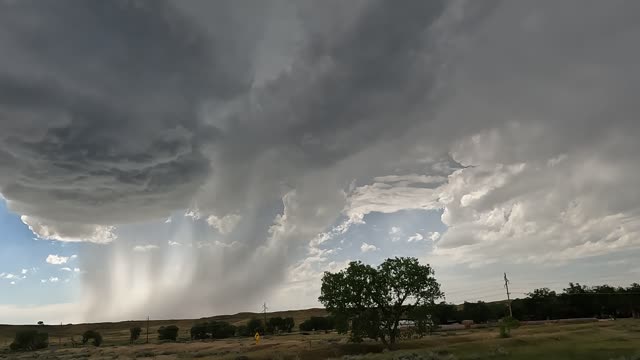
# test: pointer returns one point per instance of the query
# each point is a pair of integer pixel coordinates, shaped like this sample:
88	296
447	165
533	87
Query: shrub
255	326
221	329
506	324
168	332
30	340
288	324
318	323
199	331
135	333
278	324
92	334
212	330
243	330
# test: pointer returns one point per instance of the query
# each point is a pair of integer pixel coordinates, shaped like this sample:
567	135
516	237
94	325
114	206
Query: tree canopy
371	301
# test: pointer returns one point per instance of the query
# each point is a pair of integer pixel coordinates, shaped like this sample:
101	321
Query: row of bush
28	340
223	330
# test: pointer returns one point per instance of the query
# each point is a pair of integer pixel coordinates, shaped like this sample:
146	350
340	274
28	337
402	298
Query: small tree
288	324
30	340
40	323
255	326
168	332
92	334
374	300
134	334
243	330
199	331
221	329
506	324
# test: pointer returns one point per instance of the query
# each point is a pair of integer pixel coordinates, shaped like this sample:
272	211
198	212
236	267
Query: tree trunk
393	334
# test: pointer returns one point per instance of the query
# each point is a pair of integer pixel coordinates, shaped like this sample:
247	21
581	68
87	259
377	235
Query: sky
180	159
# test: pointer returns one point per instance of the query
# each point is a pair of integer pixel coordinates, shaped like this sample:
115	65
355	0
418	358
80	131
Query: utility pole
147	329
264	310
506	286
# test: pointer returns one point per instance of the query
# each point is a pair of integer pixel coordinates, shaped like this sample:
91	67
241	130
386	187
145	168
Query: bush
255	326
318	323
212	330
288	324
30	340
221	329
168	332
135	333
506	324
243	330
199	331
92	334
278	324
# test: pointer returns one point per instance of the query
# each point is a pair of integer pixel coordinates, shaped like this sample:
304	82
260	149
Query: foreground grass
619	340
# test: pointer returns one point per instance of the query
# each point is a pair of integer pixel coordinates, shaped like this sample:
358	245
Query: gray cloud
342	109
99	107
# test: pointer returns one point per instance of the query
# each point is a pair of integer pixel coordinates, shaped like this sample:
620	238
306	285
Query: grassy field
619	340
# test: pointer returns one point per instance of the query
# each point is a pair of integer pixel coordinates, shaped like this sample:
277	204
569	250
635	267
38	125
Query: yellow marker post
257	337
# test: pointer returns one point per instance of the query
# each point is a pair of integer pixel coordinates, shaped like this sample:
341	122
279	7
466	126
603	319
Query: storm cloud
99	104
279	125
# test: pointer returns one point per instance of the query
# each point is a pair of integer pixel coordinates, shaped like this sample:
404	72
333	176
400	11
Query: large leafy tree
371	301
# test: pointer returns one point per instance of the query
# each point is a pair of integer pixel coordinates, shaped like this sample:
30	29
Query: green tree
134	334
275	325
288	324
199	331
221	329
168	332
374	300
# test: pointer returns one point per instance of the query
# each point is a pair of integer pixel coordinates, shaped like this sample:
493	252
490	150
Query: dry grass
618	340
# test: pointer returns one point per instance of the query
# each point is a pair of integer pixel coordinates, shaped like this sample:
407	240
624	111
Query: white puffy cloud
389	198
65	269
69	232
415	237
54	279
395	232
433	236
145	247
224	224
56	259
24	271
368	247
